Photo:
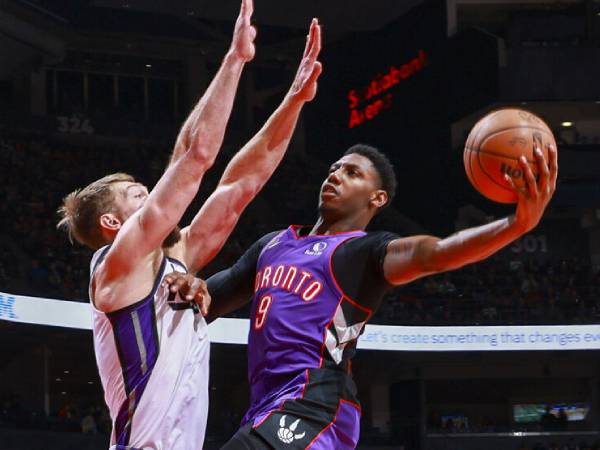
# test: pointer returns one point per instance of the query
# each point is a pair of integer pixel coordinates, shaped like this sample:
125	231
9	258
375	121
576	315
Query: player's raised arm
413	257
252	166
206	123
202	135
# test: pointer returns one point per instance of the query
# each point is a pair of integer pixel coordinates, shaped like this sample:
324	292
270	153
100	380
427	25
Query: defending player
151	347
314	288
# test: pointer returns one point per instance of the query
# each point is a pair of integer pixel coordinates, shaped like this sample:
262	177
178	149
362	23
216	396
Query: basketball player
314	288
151	347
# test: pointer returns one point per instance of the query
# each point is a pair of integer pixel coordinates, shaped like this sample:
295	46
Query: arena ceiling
337	15
278	20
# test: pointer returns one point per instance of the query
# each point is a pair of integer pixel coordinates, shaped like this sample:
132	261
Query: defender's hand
304	87
535	196
190	289
244	33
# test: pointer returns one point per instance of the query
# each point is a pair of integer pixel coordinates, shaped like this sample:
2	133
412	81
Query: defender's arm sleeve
232	288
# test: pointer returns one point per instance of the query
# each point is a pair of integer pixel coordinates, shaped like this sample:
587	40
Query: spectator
88	423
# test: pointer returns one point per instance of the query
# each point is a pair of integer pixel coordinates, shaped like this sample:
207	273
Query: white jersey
153	362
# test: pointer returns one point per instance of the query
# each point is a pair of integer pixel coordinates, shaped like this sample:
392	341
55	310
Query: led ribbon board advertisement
61	313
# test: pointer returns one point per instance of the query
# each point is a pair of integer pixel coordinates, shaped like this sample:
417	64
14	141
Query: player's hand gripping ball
494	146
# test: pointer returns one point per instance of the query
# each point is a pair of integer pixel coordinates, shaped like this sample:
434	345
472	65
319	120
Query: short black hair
382	165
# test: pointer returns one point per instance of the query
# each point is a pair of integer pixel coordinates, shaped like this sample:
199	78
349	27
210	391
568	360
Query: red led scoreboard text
367	103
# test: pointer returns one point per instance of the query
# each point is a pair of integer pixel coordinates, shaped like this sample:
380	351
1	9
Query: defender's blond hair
82	208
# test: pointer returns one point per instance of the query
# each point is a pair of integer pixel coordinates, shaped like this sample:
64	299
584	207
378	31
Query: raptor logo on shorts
285	434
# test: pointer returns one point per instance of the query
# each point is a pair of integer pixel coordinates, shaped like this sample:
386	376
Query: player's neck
342	225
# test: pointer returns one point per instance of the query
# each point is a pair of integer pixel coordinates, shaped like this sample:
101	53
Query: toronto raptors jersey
153	362
303	332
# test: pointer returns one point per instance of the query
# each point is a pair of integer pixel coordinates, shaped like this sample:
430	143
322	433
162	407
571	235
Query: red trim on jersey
296	227
325	331
322	431
264	418
293	230
337	284
334	419
359	306
356	405
305	384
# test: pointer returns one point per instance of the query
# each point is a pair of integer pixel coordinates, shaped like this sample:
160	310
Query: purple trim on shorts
342	433
257	414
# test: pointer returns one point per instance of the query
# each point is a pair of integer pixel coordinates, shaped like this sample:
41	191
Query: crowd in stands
84	415
500	290
36	259
89	416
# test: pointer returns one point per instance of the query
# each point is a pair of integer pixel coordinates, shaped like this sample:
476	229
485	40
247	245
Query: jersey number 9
261	312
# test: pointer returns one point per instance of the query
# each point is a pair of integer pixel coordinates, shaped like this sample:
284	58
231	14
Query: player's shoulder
263	241
371	242
266	238
98	257
381	234
270	235
377	237
255	250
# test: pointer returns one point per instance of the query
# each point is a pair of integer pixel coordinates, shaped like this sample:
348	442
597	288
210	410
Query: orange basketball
494	146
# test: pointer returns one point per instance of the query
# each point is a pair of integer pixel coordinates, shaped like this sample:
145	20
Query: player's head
94	215
362	183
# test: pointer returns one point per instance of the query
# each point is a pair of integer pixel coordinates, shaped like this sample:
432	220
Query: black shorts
246	438
325	417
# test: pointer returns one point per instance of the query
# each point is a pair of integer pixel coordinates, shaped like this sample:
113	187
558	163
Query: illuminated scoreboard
381	86
400	88
368	102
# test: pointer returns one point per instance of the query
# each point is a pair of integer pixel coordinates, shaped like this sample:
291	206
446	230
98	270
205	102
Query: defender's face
129	198
349	187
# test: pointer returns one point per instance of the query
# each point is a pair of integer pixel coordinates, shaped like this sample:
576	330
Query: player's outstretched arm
205	126
144	232
252	166
411	258
228	290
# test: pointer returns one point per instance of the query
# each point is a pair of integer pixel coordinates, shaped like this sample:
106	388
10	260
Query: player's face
350	186
129	198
